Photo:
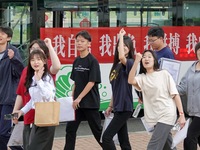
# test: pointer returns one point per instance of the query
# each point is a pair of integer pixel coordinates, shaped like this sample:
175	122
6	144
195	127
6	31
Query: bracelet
110	106
181	113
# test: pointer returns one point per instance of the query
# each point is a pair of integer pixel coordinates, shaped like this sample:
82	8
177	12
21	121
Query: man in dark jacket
11	67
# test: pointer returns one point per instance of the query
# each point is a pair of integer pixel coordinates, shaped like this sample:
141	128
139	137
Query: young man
11	67
86	77
156	40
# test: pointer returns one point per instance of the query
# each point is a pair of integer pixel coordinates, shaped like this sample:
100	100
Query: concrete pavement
139	138
139	141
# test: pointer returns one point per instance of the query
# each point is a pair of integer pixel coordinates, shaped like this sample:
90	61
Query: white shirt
158	89
42	90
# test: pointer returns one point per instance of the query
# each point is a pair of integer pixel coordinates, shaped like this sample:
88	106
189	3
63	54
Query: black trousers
94	120
117	125
191	141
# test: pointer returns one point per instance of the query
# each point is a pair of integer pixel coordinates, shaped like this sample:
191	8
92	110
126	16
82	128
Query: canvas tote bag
47	113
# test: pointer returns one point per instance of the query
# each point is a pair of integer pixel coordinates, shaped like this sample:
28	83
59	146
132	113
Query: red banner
181	40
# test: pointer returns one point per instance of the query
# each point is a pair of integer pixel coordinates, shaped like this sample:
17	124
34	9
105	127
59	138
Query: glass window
191	13
156	16
146	13
17	16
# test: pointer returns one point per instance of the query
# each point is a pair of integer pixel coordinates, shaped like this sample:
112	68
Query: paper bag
67	112
16	138
105	125
47	114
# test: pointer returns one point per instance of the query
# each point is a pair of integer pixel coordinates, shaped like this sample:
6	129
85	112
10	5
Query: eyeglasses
152	41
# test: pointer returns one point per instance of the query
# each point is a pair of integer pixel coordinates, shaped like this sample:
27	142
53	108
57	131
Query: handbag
47	113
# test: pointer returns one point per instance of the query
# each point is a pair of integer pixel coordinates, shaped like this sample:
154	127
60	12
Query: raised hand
48	42
138	57
10	53
122	32
39	73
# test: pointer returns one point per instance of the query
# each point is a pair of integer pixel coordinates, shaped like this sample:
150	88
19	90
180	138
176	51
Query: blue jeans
117	125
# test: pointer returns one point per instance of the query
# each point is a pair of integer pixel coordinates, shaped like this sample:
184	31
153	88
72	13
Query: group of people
160	94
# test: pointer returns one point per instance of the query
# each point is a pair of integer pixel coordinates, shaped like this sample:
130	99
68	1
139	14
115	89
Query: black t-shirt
122	90
87	70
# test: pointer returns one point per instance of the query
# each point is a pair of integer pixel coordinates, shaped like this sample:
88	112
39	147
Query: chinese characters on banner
181	40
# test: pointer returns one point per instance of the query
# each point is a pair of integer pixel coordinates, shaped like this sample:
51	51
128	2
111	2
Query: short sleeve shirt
86	70
158	88
122	90
166	52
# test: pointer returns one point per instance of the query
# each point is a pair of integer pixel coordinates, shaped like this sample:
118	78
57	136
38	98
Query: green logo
64	87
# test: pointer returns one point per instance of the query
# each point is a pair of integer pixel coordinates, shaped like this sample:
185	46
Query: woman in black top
122	100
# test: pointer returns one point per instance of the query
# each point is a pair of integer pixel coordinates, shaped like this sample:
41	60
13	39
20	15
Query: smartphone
10	116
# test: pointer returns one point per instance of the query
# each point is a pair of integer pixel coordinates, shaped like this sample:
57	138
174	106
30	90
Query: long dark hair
42	45
128	42
155	66
30	70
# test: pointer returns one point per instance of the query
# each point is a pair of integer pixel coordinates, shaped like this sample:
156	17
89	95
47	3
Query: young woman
23	97
189	87
160	98
40	85
122	99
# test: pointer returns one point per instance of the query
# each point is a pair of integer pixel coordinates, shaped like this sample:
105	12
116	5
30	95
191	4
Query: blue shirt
166	52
